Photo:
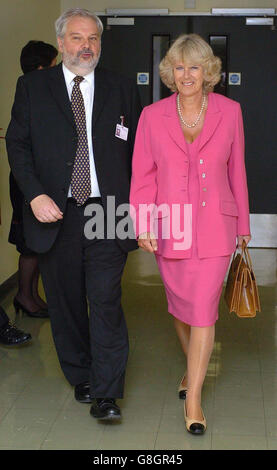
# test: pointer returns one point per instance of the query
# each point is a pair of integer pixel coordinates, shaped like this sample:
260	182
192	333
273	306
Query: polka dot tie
80	179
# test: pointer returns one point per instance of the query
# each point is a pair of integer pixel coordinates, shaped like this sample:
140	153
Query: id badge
121	132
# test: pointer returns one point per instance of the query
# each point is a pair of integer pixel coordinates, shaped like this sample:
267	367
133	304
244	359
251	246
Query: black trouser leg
4	319
105	262
64	283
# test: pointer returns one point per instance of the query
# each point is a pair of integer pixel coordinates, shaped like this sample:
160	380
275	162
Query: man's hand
148	242
45	209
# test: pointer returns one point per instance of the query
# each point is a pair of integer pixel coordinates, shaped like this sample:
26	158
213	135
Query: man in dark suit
64	153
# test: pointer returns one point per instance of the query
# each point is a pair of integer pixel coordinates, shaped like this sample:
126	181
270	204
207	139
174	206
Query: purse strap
246	255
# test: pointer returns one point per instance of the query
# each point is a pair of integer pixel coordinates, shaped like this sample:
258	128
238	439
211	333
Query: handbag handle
246	254
240	260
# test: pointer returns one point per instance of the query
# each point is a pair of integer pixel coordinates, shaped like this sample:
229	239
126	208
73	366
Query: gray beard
75	63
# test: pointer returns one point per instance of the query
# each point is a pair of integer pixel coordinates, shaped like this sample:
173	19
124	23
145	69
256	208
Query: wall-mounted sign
143	78
234	78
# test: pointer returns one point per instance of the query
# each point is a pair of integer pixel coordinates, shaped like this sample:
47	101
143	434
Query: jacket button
203	175
69	163
203	203
201	161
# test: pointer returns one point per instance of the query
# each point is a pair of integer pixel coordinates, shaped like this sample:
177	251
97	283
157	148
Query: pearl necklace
198	117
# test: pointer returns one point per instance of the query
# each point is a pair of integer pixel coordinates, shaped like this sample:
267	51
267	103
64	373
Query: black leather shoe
105	408
82	392
12	336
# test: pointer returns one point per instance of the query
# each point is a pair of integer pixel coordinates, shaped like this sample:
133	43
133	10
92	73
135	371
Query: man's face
81	45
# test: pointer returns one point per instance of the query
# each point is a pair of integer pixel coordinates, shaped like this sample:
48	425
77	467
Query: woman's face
188	78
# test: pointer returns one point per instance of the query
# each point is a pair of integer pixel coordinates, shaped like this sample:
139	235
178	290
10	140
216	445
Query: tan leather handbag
241	292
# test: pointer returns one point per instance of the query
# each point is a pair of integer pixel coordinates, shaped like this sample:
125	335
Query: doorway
249	52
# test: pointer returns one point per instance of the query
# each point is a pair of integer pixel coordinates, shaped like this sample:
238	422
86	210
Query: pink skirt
193	287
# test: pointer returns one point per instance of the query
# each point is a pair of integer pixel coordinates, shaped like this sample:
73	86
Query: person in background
189	152
35	55
10	335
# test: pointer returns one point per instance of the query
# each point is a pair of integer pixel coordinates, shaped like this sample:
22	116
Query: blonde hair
191	49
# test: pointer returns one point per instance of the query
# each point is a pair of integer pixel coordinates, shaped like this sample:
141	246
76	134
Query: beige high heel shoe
182	390
193	426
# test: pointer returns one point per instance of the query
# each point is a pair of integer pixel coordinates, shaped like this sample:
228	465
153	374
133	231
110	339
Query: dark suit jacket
42	140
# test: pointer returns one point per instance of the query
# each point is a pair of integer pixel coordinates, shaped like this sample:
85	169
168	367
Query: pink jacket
160	174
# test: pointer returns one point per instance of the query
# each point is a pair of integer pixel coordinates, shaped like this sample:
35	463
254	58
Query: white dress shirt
87	90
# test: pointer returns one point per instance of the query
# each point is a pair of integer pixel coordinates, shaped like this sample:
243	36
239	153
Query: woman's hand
148	242
242	238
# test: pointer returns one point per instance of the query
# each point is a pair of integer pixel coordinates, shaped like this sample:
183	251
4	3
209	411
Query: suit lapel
212	120
59	92
171	120
172	123
102	89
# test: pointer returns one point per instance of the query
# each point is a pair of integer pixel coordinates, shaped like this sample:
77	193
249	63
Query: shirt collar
69	76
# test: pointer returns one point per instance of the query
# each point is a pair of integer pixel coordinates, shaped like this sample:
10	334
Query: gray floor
38	411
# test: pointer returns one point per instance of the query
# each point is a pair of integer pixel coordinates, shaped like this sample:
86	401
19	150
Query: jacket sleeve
144	182
19	145
237	176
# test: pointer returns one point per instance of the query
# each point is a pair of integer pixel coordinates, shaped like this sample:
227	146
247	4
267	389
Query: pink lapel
172	123
212	120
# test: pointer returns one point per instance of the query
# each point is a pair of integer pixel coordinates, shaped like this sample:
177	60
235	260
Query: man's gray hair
61	22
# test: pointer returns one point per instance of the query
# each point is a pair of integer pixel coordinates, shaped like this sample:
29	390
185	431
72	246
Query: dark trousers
78	273
4	319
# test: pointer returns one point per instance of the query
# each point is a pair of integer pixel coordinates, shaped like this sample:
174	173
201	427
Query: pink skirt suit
209	178
193	286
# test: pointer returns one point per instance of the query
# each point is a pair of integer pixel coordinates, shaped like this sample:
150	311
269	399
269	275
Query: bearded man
69	144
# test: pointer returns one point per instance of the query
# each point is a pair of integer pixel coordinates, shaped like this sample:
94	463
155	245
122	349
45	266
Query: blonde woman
189	151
